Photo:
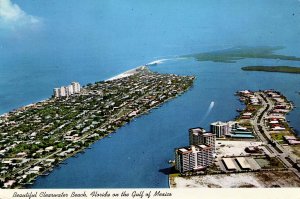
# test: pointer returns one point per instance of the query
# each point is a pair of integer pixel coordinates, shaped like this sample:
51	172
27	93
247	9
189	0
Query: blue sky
221	22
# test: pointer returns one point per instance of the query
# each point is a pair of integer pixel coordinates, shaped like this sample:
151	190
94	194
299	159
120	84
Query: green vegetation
281	69
279	136
234	54
272	163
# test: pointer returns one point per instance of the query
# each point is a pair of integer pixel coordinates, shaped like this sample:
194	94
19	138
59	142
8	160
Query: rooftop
243	163
229	163
197	130
219	123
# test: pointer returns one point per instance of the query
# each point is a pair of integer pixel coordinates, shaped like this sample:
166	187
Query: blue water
89	40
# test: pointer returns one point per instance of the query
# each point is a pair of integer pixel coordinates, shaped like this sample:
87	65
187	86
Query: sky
219	22
11	14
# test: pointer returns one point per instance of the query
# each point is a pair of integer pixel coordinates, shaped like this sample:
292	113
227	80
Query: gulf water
88	41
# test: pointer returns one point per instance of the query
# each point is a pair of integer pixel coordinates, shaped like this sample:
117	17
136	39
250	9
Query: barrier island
37	137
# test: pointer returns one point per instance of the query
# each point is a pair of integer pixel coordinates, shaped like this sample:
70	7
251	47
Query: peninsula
36	138
280	69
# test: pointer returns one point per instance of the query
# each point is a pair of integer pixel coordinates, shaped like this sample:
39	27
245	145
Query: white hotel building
199	136
223	128
200	153
193	158
66	91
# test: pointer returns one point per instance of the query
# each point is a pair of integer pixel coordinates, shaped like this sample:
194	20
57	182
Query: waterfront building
193	158
76	87
56	92
219	128
62	91
66	91
232	125
254	100
241	134
292	140
69	90
199	136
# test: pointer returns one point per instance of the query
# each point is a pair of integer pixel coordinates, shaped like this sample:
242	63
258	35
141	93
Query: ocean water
89	40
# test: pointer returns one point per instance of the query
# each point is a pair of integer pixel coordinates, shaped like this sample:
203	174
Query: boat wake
211	106
156	62
160	61
134	70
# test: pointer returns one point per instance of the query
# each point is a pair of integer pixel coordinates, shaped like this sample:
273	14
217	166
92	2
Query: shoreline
127	73
119	76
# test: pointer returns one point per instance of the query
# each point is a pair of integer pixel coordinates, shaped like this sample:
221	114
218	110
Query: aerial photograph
108	94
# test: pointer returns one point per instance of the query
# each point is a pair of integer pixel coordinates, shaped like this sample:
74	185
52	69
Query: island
36	138
234	54
258	149
281	69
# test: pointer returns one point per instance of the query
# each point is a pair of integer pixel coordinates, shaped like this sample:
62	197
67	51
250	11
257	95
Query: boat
171	161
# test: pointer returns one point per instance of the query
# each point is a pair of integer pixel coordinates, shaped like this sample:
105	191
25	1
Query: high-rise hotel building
76	87
219	128
199	154
199	136
194	157
66	91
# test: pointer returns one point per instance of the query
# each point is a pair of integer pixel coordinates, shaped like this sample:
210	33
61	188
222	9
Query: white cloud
11	15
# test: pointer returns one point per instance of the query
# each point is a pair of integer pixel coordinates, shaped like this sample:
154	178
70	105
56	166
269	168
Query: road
261	131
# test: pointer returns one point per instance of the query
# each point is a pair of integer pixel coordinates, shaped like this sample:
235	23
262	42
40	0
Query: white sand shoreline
126	73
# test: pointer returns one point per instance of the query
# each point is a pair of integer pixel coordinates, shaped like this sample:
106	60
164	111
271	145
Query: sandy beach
126	73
